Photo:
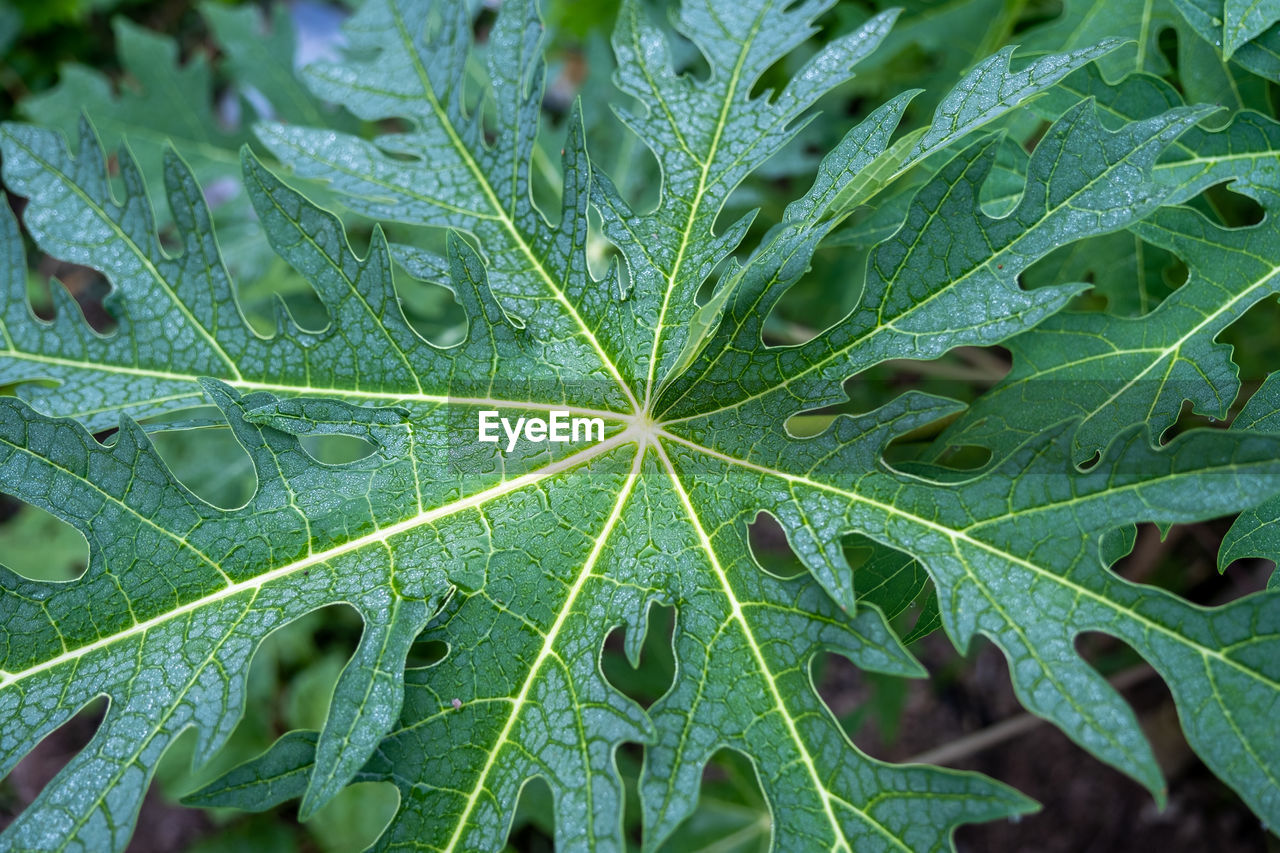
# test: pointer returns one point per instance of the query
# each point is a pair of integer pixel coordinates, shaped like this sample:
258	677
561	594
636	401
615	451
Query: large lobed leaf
522	562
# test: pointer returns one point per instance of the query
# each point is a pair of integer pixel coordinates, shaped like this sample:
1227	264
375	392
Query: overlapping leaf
160	103
1207	75
1256	531
1108	372
178	314
164	103
178	594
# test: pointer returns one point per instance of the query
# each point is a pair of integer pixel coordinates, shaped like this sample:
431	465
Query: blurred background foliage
153	73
